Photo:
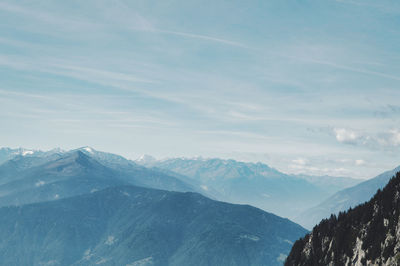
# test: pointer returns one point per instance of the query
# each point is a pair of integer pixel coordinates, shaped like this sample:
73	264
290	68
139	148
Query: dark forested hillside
345	199
130	225
368	234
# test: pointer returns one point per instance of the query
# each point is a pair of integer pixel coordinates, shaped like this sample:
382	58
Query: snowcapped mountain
228	180
9	153
28	179
79	208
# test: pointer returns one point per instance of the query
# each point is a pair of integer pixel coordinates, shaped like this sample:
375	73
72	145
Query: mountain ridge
126	224
369	234
346	198
253	183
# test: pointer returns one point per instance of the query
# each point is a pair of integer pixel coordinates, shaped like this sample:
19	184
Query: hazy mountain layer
345	199
331	184
251	183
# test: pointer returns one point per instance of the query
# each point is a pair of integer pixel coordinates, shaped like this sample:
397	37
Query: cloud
345	135
352	69
359	162
319	171
391	138
386	140
62	22
300	161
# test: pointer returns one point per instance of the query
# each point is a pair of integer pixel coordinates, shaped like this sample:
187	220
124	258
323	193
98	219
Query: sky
305	86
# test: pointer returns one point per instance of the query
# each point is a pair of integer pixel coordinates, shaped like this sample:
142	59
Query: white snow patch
204	187
39	183
88	149
94	190
56	196
126	193
142	262
24	153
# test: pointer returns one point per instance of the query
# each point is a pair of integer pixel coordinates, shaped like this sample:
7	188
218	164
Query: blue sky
305	86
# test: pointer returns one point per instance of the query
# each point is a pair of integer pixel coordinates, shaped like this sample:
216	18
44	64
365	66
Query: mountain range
46	181
252	183
85	207
28	179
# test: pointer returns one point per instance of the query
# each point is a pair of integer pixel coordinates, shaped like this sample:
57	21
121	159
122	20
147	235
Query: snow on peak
27	152
146	159
23	152
88	149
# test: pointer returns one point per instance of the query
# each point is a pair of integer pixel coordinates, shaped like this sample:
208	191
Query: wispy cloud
344	67
61	21
200	37
381	5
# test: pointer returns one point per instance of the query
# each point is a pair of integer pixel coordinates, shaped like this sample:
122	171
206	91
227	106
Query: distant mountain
9	153
146	160
250	183
137	226
139	175
345	199
28	179
331	184
366	235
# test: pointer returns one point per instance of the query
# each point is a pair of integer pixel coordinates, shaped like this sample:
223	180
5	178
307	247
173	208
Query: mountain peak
87	149
74	158
146	159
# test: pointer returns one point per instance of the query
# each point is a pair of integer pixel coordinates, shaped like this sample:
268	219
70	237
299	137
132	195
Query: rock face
369	234
129	225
